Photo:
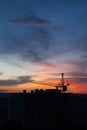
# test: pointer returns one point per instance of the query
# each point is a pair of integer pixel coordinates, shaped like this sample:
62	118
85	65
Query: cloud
40	45
31	20
71	80
35	48
77	77
19	80
77	74
1	73
35	21
70	74
78	80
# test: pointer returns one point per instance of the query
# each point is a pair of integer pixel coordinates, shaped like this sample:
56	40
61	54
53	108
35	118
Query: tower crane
61	87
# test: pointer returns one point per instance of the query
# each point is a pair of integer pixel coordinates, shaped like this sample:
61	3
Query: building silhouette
43	110
40	110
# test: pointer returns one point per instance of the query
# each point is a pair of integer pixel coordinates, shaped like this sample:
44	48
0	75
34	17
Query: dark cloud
77	74
71	74
71	80
39	48
19	80
1	73
31	20
35	21
78	80
34	47
38	45
73	77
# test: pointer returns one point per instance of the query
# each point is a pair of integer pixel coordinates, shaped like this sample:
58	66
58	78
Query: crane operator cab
64	88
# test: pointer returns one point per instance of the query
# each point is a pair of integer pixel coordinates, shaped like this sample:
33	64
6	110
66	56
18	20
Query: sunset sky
40	39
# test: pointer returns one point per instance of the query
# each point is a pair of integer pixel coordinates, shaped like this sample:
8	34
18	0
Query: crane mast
62	79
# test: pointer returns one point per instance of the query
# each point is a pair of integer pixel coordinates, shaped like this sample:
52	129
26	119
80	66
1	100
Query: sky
39	40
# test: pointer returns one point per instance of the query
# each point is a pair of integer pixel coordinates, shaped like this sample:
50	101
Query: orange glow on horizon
74	88
44	76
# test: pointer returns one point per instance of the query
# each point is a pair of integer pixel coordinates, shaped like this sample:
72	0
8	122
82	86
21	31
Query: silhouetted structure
43	110
61	87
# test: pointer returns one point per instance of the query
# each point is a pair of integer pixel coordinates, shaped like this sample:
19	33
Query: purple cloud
77	80
31	20
19	80
37	22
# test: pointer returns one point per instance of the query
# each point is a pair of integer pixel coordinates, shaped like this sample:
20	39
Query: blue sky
38	37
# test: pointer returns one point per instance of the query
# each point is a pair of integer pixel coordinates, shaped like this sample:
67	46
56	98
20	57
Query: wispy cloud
71	80
78	80
34	48
71	74
19	80
35	21
31	20
77	74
